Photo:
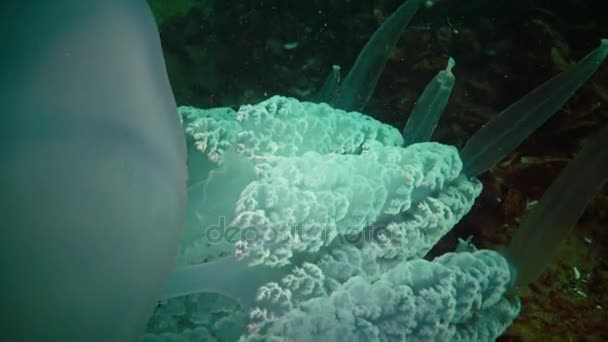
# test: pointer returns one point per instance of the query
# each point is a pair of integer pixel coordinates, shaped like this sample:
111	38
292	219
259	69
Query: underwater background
227	53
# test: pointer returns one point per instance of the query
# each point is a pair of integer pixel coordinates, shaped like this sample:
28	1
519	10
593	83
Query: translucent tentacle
361	81
541	233
430	106
329	88
501	135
